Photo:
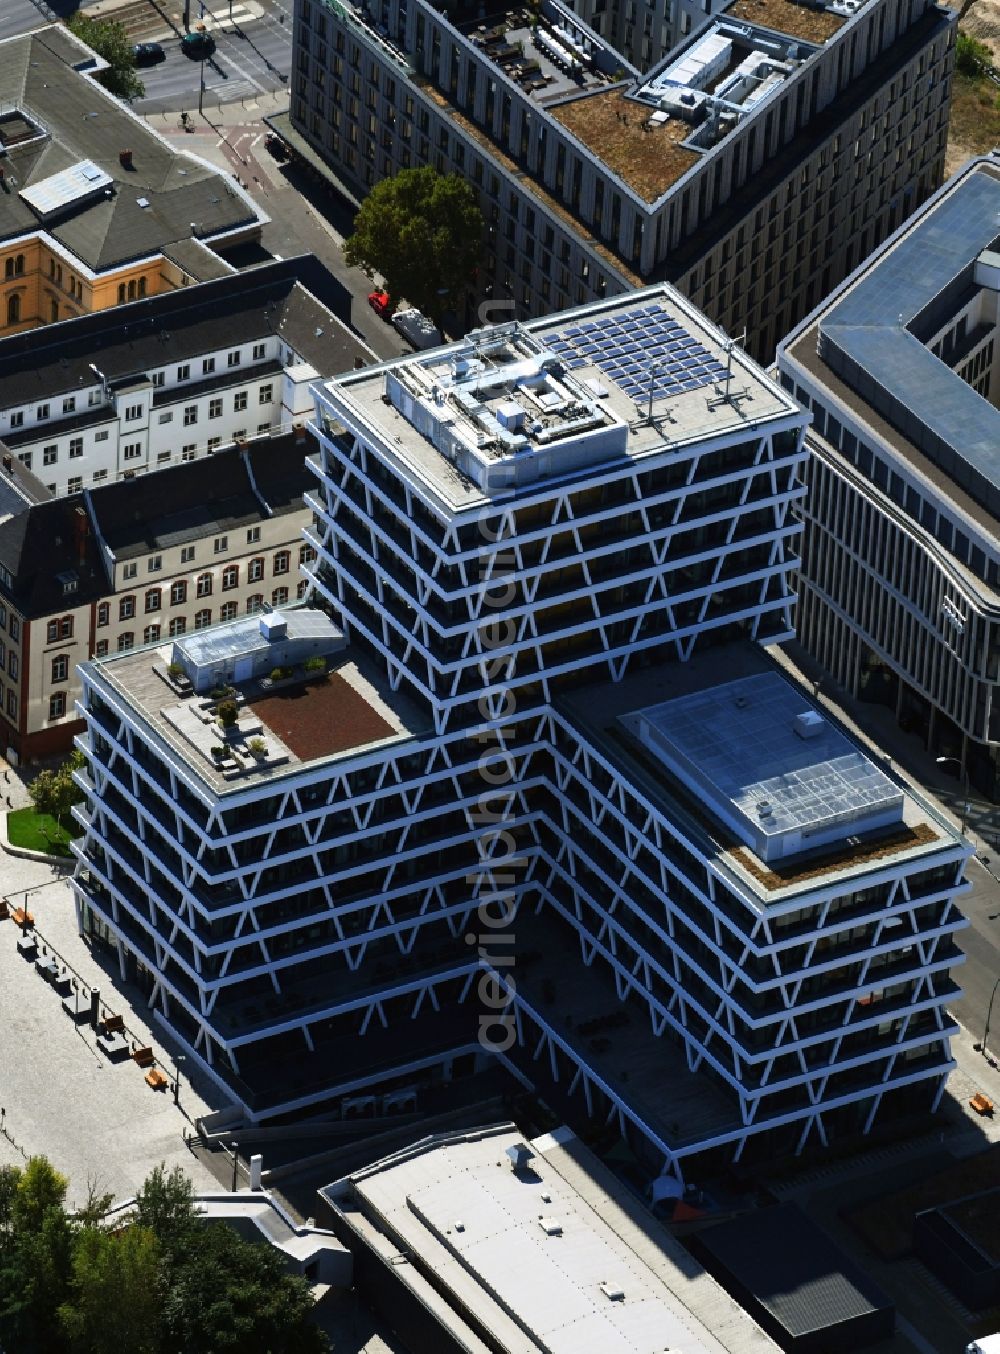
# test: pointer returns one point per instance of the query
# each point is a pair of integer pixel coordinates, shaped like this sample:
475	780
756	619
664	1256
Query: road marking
257	138
219	142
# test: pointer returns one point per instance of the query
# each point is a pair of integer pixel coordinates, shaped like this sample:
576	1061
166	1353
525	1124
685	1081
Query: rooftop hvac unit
273	626
809	724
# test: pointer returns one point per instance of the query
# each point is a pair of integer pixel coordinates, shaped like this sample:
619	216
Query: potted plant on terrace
227	714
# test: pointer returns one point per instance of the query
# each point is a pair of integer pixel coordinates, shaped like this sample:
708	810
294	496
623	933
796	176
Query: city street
307	217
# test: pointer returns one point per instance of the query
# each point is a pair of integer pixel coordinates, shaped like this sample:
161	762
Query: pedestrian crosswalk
223	19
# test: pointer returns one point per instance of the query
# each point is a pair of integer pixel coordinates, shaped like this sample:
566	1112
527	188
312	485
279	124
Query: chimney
125	156
81	530
300	433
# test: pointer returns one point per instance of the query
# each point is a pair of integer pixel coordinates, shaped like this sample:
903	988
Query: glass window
155	564
126	608
282	559
202	619
57	705
221	544
255	569
230	577
229	611
60	668
279	596
126	641
203	586
178	593
178	625
152	600
187	554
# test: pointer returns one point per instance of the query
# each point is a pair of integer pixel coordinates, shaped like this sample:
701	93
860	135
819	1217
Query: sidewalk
253	108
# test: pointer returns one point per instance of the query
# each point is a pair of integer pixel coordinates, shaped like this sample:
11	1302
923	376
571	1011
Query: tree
165	1205
115	1293
36	1244
972	58
230	1296
422	231
111	41
55	792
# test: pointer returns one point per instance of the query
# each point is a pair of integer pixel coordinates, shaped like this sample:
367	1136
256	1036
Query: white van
420	331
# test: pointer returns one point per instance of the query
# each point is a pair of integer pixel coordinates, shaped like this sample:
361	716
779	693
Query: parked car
148	54
381	302
421	332
198	43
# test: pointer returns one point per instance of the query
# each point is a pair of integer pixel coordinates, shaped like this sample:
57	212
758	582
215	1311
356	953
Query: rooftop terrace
288	717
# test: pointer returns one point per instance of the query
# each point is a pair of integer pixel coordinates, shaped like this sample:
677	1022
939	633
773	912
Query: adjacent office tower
518	780
768	151
899	592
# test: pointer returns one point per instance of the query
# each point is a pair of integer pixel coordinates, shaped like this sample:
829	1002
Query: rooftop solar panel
644	348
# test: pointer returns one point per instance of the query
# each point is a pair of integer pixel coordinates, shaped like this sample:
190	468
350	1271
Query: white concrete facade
308	934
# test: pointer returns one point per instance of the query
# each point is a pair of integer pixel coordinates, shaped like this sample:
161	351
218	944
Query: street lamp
989	1012
236	1158
957	761
178	1059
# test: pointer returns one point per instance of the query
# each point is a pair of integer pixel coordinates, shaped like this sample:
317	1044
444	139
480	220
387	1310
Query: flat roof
78	123
770	764
350	711
597	708
583	378
616	129
538	1262
791	1270
868	341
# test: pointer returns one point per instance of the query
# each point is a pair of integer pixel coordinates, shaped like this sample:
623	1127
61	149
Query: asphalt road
252	57
20	16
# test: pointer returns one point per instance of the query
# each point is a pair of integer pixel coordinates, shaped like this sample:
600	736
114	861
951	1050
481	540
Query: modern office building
769	150
899	591
172	378
520	781
96	207
139	562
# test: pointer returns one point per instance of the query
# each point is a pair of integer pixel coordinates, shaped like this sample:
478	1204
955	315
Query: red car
381	303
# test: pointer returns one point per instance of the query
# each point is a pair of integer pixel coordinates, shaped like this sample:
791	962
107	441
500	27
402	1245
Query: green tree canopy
972	58
230	1296
114	1301
111	41
165	1204
55	792
421	231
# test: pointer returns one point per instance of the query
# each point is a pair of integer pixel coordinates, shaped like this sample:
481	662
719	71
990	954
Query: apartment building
530	677
899	591
135	563
97	208
772	147
171	378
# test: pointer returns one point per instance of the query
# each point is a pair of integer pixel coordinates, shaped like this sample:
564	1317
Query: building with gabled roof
97	208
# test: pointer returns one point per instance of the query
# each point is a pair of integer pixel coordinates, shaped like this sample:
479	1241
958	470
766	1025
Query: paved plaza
95	1120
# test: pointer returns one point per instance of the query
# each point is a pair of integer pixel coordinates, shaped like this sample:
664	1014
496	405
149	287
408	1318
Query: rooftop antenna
728	396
